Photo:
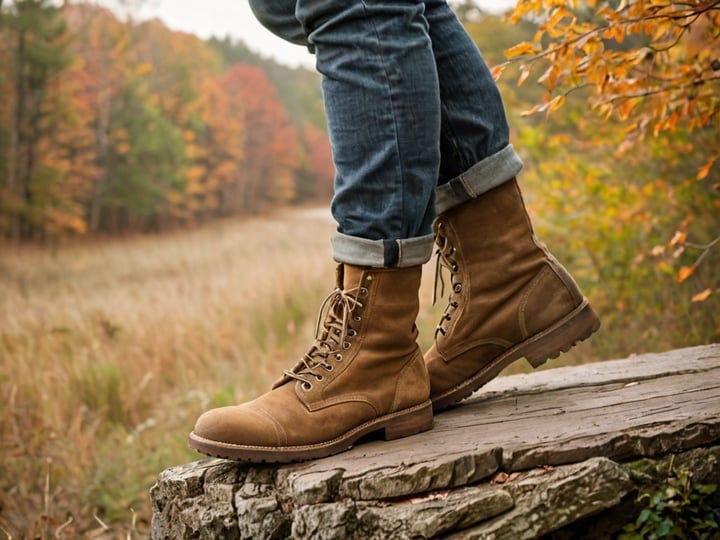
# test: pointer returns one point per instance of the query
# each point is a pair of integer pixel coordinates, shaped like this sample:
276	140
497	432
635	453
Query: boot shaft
510	297
493	238
366	342
504	280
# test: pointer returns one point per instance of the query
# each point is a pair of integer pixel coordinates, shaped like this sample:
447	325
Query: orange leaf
657	251
520	49
557	102
705	169
684	273
497	71
537	108
524	73
702	296
678	238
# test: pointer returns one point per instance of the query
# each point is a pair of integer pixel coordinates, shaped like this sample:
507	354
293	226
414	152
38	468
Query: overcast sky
234	18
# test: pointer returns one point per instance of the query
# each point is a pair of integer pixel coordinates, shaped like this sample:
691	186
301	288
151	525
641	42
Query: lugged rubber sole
562	336
394	426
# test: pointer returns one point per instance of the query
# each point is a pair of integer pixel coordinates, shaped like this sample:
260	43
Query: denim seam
470	191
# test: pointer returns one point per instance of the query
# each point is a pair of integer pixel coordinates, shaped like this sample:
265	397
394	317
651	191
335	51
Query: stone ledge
527	455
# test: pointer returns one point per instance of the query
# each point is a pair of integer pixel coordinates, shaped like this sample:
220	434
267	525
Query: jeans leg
474	142
476	154
278	16
382	101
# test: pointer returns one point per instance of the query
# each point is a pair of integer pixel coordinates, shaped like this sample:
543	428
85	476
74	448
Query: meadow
109	350
112	343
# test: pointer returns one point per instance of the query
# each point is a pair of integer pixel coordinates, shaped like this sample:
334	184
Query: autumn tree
113	126
655	65
300	94
216	147
651	67
35	36
100	44
271	145
298	89
611	216
320	171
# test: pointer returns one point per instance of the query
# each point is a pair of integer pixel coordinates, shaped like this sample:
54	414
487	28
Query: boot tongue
349	277
339	275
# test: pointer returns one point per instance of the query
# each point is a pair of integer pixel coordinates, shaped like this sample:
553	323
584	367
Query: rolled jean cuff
478	179
382	253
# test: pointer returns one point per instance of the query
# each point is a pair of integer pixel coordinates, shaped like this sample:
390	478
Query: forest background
161	252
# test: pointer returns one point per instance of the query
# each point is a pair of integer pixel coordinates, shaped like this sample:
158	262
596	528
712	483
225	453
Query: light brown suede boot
365	373
510	297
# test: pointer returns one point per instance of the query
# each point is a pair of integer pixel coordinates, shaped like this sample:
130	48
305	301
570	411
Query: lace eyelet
307	386
319	377
346	345
352	333
338	357
328	367
357	319
458	288
454	267
363	291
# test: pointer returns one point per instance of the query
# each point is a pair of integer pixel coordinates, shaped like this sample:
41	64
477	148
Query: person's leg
476	152
382	101
278	16
500	273
365	371
474	139
510	298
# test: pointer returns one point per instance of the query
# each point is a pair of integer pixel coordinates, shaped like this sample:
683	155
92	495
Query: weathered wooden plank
628	417
636	368
576	419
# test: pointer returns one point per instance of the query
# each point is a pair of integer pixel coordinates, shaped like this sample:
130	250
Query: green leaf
706	489
644	515
663	528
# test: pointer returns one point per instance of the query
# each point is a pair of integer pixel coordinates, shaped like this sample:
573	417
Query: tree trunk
95	205
17	131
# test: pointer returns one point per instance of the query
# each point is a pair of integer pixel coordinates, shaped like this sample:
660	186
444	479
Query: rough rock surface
527	455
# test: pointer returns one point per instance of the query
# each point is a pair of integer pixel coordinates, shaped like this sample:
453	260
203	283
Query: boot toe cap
239	425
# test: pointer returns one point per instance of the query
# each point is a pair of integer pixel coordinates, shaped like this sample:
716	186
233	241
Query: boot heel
563	337
417	421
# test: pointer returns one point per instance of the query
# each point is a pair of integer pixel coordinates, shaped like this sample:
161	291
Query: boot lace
445	260
333	333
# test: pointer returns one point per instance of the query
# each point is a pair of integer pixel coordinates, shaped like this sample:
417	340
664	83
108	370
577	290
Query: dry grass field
109	350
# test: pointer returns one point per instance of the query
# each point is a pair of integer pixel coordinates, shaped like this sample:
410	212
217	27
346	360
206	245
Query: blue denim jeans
415	119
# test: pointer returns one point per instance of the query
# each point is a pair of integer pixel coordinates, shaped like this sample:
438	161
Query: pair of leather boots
365	373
